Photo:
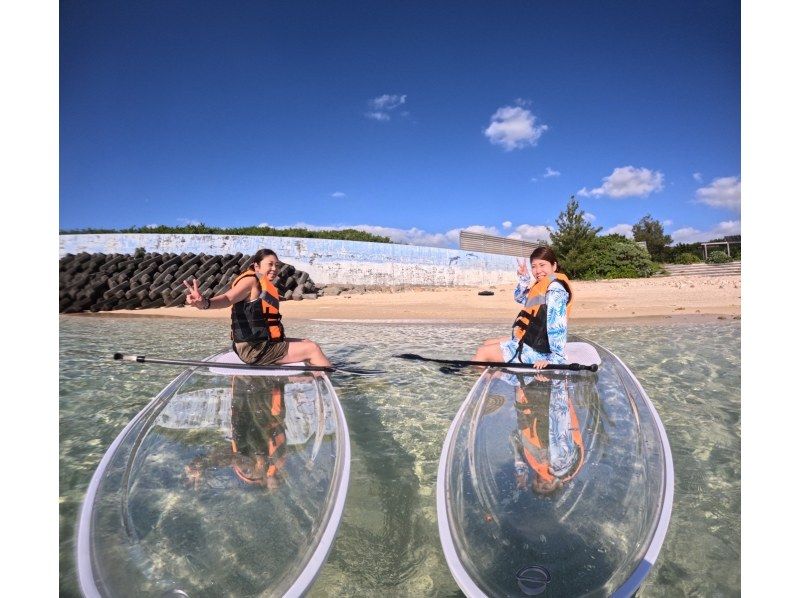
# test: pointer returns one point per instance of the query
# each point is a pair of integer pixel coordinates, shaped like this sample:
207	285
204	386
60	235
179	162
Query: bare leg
495	341
304	350
489	352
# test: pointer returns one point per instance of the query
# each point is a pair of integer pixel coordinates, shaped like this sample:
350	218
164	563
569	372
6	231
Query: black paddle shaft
501	364
243	366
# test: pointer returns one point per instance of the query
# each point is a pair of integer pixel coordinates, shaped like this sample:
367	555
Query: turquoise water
388	540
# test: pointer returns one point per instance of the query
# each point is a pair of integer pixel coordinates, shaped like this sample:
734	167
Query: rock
332	291
359	290
308	296
485	293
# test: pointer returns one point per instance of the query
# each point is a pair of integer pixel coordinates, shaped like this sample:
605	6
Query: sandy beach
675	298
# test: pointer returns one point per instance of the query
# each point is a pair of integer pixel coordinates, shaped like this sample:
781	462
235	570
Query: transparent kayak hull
231	482
556	485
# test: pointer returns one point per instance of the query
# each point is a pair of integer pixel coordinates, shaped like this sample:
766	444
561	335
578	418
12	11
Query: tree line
586	255
583	253
347	234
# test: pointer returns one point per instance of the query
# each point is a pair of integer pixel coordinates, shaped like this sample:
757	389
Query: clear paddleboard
555	484
231	482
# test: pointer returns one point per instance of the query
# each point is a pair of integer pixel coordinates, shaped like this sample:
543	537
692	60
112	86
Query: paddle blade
411	356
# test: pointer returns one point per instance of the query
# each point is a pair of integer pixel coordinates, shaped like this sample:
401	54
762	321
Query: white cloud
693	235
627	181
382	105
152	225
530	232
687	235
264	225
625	230
550	172
189	222
388	102
514	128
484	230
534	180
667	223
380	116
453	234
725	192
507	224
697	176
590	217
338	195
410	236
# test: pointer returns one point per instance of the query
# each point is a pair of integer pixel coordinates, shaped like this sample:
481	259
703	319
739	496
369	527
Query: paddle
500	364
244	366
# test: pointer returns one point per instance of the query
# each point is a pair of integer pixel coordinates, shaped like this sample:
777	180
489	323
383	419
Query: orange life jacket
529	329
532	444
255	321
275	449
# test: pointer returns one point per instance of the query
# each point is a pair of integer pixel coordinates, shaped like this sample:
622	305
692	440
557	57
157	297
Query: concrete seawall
327	261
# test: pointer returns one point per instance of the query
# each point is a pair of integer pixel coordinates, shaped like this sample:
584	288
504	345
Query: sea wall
327	261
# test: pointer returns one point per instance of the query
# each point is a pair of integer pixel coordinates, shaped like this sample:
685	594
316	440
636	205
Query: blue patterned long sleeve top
556	298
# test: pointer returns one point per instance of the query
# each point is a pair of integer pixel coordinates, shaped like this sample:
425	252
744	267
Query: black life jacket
258	320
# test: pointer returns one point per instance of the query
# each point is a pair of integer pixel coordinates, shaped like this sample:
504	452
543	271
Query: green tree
572	239
651	232
347	234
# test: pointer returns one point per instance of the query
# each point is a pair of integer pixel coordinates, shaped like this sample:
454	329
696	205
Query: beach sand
668	299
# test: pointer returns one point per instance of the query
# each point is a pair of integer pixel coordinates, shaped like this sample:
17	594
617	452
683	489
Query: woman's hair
543	252
260	255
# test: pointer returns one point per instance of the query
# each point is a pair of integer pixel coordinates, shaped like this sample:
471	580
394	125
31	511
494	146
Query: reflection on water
388	540
217	465
544	474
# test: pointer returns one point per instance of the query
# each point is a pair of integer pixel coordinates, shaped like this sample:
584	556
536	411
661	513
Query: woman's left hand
538	365
193	296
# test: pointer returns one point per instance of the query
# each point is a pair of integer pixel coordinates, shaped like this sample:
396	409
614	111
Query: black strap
270	300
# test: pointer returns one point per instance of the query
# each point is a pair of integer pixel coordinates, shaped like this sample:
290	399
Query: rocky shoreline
96	282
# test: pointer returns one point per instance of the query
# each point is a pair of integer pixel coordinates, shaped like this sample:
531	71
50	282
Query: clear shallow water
388	542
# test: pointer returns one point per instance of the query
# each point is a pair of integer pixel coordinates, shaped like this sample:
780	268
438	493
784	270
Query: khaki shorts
263	353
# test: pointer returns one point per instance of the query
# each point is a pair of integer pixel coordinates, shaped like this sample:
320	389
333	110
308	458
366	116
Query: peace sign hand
522	267
193	296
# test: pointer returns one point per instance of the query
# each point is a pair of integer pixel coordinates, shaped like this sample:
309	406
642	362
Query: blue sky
412	120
